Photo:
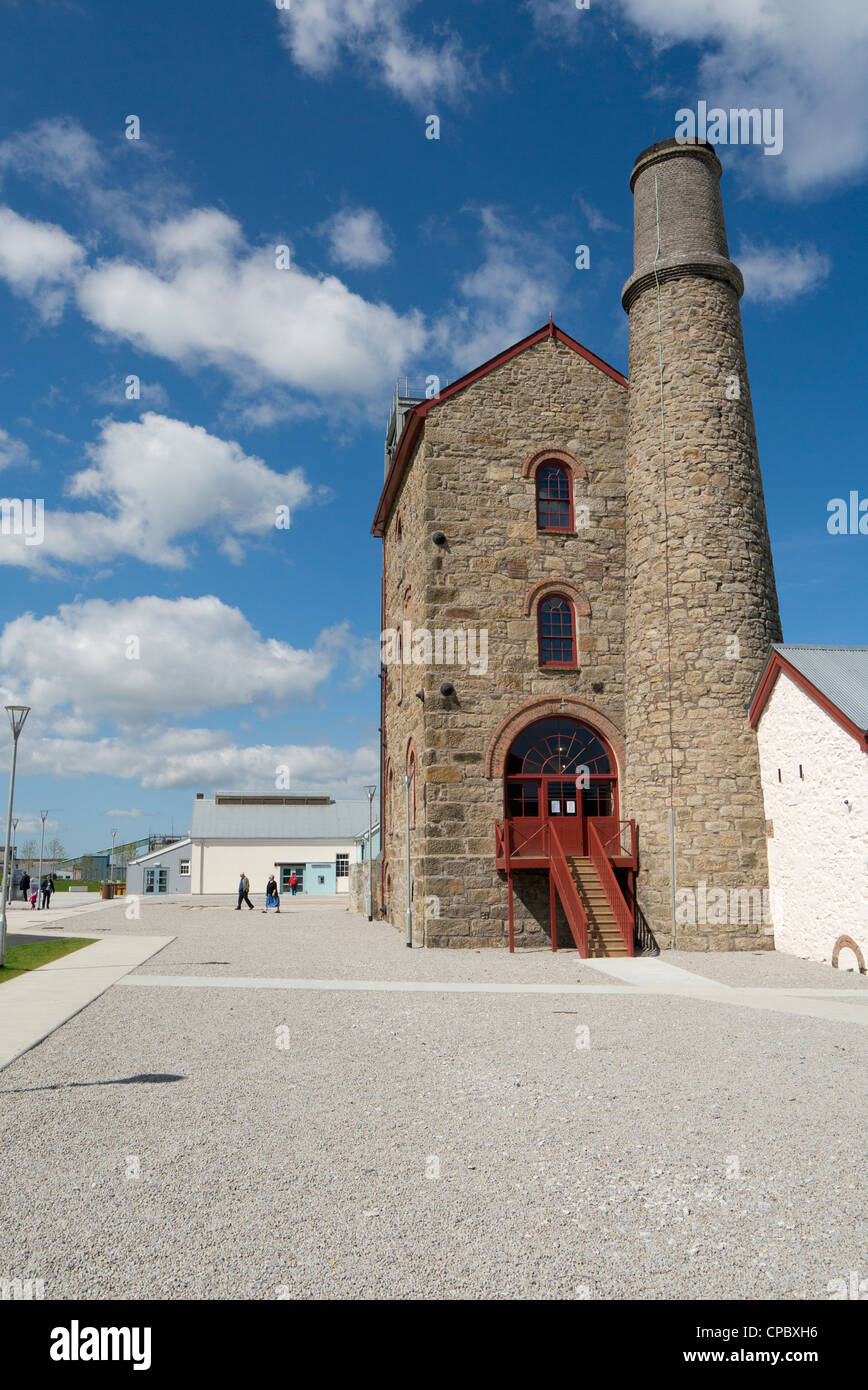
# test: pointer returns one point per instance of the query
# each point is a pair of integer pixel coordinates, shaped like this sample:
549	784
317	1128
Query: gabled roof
415	417
342	820
164	849
835	677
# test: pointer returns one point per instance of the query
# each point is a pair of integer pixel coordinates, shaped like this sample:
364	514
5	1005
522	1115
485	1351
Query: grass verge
22	956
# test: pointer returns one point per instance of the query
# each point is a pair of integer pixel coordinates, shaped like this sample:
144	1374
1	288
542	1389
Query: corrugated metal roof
343	820
155	853
839	673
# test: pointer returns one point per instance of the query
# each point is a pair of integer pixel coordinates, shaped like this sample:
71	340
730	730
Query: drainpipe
407	780
382	725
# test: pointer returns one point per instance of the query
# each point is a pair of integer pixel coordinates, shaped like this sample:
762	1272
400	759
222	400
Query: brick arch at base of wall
847	943
544	708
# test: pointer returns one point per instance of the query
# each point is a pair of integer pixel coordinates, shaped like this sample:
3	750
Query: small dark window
554	502
557	645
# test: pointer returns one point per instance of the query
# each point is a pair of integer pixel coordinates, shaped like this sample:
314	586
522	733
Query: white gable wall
217	864
818	855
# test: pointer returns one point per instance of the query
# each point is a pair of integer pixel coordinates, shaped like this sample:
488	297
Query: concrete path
33	1005
21	918
643	976
299	1107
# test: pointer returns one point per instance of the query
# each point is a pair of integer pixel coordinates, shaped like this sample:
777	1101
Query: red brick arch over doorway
564	706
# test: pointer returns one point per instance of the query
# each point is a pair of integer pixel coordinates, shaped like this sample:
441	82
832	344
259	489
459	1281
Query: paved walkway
301	1107
34	1004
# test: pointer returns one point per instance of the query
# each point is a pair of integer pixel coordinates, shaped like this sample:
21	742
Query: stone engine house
578	599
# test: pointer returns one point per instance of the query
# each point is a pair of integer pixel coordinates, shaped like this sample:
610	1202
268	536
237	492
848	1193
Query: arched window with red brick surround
556	627
390	792
554	497
404	654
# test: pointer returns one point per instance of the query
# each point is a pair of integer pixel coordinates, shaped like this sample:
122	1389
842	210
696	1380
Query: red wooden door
525	816
563	808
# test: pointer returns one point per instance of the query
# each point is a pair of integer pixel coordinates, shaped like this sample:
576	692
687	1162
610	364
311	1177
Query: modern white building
810	712
164	870
260	833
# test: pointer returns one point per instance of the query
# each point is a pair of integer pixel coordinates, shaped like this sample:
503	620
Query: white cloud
112	391
317	34
775	275
210	299
160	482
95	711
808	59
357	238
55	151
38	260
13	452
289	340
558	19
200	758
596	220
186	655
134	813
510	293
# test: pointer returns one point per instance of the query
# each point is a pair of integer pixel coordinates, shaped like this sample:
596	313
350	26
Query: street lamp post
17	715
43	815
14	845
370	791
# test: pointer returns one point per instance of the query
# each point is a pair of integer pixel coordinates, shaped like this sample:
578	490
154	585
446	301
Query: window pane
522	799
597	799
556	632
557	746
553	498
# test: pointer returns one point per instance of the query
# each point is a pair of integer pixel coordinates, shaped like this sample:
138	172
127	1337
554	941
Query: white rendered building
260	833
810	712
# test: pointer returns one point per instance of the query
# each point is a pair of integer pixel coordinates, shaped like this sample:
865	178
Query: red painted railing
568	893
513	843
615	898
618	838
501	846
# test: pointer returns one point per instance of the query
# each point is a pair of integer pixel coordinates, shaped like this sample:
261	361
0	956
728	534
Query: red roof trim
778	663
411	430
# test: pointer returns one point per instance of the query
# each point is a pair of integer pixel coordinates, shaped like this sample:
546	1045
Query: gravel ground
765	969
283	1141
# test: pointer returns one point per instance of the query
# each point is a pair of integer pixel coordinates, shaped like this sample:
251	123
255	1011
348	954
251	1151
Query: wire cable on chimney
666	565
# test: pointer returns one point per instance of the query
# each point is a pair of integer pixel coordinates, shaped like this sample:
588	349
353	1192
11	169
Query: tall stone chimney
701	606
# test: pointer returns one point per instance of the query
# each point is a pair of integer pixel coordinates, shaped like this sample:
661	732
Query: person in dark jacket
243	893
25	885
47	887
272	897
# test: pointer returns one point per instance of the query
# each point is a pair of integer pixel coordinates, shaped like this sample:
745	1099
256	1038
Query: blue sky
255	647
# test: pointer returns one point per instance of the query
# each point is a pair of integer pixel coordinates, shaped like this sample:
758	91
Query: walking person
33	893
272	897
25	884
293	883
47	887
243	893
